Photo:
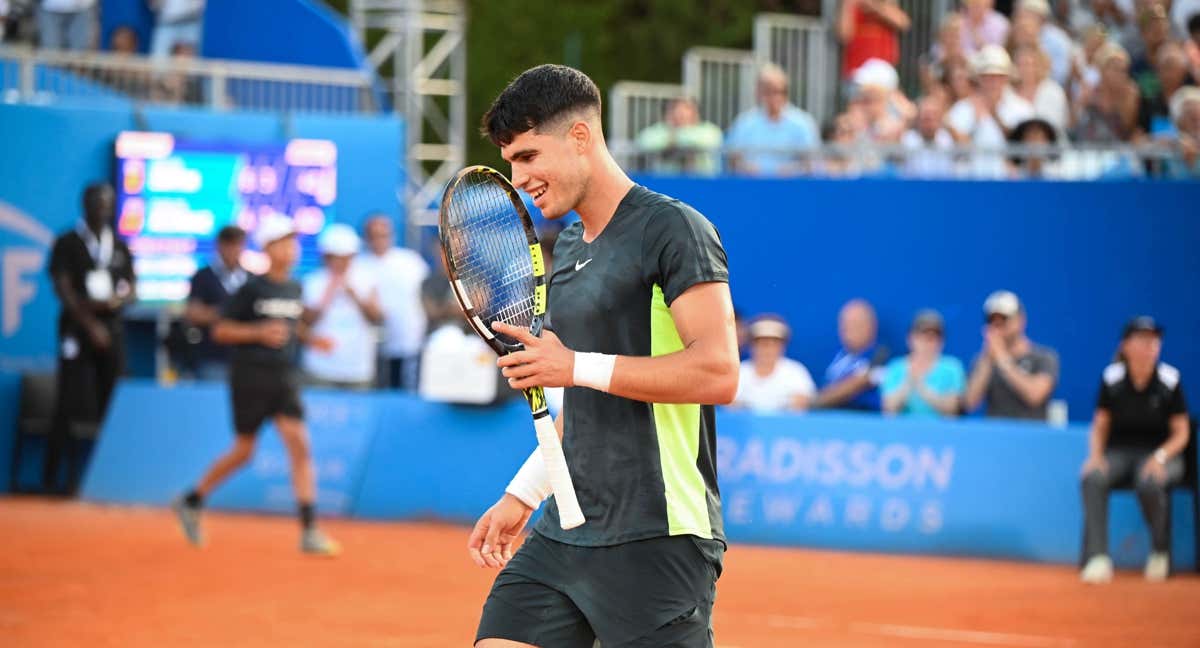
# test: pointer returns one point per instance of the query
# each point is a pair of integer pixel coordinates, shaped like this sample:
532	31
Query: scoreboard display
174	195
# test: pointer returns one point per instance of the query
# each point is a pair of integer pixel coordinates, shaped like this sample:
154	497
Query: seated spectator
1050	37
767	140
956	83
852	379
1012	375
1154	113
681	142
1086	73
842	158
342	306
982	25
769	381
925	382
986	118
1116	17
1139	431
949	46
1108	113
1185	111
175	22
124	41
882	105
929	146
1045	94
68	24
1154	29
1032	162
212	286
869	29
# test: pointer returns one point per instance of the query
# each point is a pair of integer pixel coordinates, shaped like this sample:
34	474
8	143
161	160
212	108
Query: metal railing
634	105
721	81
40	75
807	51
1075	162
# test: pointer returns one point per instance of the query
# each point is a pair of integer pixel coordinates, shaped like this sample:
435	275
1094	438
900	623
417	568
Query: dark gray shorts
651	593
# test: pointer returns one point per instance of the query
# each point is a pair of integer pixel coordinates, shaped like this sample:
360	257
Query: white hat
1002	302
770	327
992	59
877	73
339	239
273	228
1039	7
1181	99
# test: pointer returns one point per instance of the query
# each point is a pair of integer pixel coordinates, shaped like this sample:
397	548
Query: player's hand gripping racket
496	270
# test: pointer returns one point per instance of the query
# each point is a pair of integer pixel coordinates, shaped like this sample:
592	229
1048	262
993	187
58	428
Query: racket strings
491	253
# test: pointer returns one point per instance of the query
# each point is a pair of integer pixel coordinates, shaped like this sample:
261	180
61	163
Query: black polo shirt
70	256
208	289
1140	419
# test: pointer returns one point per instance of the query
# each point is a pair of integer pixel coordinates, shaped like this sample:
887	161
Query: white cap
1039	7
770	327
1002	302
876	73
272	228
992	59
339	239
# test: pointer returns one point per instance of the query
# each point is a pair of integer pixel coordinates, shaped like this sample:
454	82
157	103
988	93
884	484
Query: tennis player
640	331
265	321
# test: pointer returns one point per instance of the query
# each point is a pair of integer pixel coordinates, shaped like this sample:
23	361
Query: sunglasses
997	318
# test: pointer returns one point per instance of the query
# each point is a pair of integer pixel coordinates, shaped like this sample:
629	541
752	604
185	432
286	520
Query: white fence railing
635	105
806	50
721	81
37	75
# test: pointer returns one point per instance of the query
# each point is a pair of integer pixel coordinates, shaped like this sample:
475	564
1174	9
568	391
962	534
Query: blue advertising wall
1084	257
972	488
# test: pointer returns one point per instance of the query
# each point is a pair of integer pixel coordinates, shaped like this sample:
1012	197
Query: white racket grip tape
569	513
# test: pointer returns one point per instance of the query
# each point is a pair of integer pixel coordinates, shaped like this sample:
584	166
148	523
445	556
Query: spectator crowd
1053	89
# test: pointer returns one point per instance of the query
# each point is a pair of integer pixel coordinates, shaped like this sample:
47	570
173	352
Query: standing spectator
1053	40
1108	113
770	382
925	382
92	273
1139	430
767	140
1154	114
175	22
982	26
343	306
852	379
398	272
212	286
682	143
67	24
1035	162
1012	374
929	147
986	118
869	29
1034	85
1185	110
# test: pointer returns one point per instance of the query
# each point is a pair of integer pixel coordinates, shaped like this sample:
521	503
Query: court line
967	636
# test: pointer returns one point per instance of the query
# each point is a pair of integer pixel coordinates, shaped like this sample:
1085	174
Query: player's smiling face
550	167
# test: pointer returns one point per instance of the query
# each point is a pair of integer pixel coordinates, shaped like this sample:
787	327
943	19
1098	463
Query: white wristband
594	370
531	484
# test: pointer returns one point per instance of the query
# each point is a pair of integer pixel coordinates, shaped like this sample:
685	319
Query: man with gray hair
1015	376
767	140
1185	112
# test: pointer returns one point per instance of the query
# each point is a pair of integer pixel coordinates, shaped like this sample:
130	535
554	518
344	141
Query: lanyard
100	249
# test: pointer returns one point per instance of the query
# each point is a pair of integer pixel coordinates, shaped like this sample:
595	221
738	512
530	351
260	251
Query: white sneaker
1158	566
1099	569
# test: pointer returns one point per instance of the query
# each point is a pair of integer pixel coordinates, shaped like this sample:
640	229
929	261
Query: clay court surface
76	574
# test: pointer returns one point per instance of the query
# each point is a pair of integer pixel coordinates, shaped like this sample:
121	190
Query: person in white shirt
1033	84
929	147
986	117
1053	40
344	305
770	382
399	273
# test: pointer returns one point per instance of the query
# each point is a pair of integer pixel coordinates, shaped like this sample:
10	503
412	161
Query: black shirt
260	299
70	256
1140	418
641	470
211	288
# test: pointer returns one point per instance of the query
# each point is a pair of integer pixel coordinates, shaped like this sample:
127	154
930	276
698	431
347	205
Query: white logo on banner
18	266
912	476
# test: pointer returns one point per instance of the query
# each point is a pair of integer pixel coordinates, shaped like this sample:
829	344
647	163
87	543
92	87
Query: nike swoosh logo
579	266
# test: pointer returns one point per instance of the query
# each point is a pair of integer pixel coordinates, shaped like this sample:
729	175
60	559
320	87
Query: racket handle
569	513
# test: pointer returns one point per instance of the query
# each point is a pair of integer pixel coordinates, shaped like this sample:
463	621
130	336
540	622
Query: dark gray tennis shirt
640	470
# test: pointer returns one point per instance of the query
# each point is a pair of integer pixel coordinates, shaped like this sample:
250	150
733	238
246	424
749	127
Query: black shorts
655	593
260	393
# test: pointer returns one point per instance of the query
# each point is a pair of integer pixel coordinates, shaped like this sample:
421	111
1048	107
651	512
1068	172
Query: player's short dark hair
539	96
231	234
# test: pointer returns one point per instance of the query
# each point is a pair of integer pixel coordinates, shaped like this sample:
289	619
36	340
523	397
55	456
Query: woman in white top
1033	84
769	382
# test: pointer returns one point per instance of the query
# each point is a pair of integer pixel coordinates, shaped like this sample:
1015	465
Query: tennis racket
496	270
